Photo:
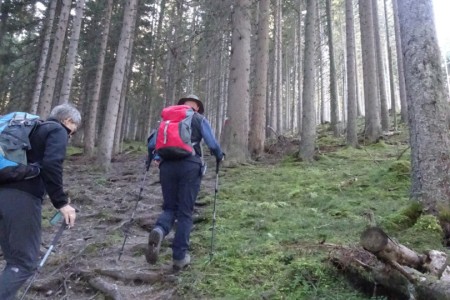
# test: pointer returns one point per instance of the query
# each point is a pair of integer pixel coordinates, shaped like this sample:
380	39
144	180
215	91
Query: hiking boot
154	243
179	265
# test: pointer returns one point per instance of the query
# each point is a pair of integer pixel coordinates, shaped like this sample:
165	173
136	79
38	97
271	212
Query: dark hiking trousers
20	238
180	183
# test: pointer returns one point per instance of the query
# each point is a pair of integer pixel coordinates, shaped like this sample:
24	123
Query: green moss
71	150
405	218
444	214
400	168
428	223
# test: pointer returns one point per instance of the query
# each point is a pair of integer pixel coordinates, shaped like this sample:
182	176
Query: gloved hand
218	160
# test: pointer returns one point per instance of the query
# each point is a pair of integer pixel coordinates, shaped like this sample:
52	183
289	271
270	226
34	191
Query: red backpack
173	138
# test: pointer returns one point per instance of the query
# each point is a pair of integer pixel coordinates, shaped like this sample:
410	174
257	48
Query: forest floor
85	263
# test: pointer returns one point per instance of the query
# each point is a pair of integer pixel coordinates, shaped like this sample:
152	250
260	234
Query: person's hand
69	214
156	163
218	160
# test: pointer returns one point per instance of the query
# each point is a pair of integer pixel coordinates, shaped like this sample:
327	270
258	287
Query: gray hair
66	111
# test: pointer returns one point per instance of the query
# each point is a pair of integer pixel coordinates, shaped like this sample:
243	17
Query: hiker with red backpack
21	201
176	146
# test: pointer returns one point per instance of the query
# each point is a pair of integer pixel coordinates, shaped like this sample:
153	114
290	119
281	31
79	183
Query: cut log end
374	239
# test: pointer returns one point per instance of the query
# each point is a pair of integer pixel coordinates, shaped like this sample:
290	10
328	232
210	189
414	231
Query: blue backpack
15	129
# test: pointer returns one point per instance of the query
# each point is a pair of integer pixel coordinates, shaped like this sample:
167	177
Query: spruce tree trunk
43	58
156	53
274	130
71	55
352	138
334	101
236	130
112	109
91	122
300	68
400	65
279	85
45	105
380	69
372	111
308	134
118	137
426	98
258	114
390	68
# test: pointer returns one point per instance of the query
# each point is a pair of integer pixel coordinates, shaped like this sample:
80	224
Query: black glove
218	160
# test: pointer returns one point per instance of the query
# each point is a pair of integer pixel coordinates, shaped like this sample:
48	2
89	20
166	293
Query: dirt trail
85	261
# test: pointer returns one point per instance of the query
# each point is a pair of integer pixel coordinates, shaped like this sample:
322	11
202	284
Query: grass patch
72	150
270	219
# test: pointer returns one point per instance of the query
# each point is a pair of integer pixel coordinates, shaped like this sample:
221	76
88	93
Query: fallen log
374	240
369	273
383	261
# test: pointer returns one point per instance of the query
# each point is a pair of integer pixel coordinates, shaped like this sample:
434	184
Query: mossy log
398	269
374	240
374	276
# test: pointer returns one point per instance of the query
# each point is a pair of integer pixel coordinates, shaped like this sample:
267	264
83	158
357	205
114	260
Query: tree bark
380	69
112	109
273	119
46	102
308	134
334	101
279	70
300	68
43	58
426	97
400	65
236	130
352	138
118	137
91	122
258	114
390	68
372	112
71	55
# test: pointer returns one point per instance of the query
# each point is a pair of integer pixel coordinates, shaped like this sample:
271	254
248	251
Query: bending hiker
180	181
21	201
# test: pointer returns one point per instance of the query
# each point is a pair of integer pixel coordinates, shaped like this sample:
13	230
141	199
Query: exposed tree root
109	289
127	276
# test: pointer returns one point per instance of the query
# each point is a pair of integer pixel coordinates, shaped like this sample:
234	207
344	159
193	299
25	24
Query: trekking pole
134	210
44	259
216	189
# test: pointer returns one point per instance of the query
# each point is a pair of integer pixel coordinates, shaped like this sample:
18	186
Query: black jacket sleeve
55	147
